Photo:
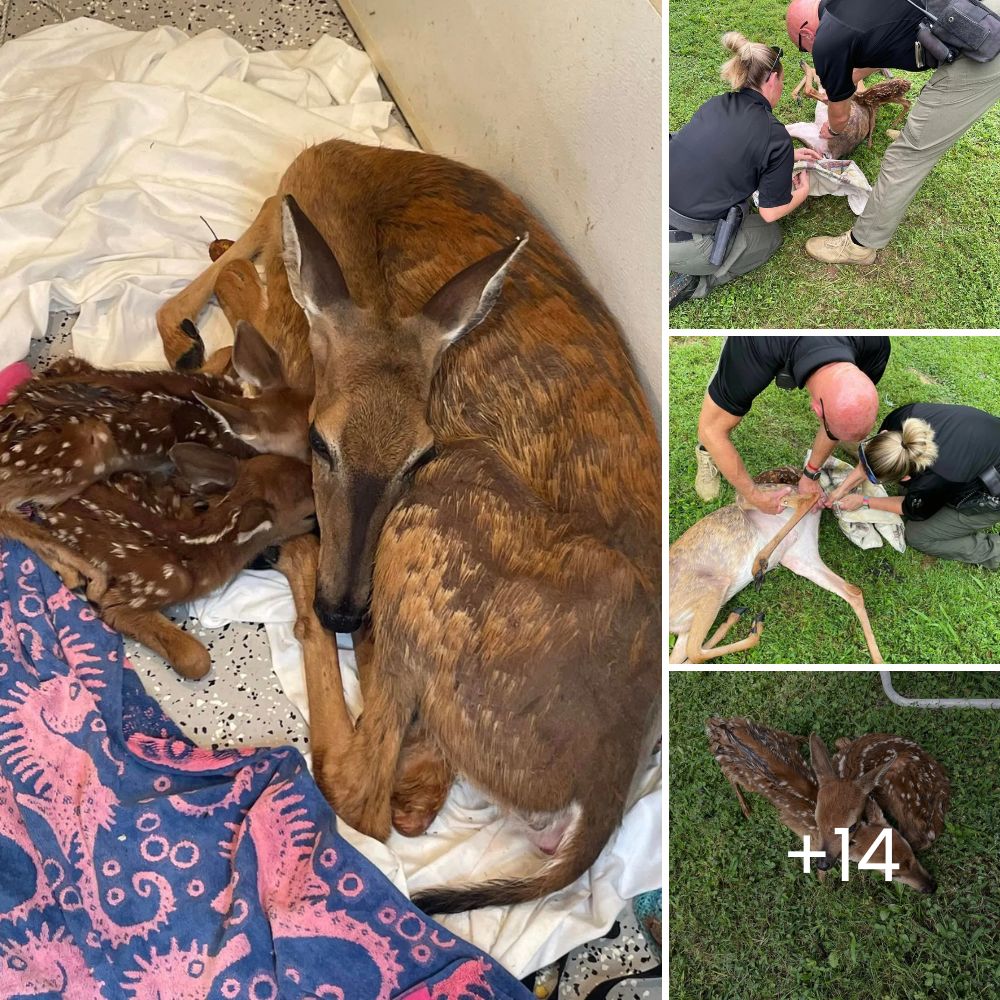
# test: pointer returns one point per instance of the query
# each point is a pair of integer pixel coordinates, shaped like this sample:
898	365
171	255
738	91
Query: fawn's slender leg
824	577
739	795
182	651
70	566
330	726
180	346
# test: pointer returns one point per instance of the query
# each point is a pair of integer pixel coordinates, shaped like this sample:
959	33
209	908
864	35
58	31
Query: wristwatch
811	475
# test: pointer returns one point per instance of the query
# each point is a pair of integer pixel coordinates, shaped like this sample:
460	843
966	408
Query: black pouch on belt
725	233
991	480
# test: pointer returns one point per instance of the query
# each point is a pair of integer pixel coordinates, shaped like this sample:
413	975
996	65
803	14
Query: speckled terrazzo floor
241	701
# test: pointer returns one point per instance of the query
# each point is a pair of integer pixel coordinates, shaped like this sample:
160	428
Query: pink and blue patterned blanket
135	864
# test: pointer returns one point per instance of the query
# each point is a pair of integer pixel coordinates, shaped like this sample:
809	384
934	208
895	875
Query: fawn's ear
203	466
239	418
820	758
255	360
873	777
465	300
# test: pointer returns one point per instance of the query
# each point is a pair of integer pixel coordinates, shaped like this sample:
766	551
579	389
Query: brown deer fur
768	762
513	590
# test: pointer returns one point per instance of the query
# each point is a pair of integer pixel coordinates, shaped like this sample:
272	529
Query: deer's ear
464	301
820	758
314	276
238	417
873	777
203	466
254	359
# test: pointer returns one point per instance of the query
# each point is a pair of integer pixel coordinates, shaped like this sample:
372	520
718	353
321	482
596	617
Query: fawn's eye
854	827
319	447
421	460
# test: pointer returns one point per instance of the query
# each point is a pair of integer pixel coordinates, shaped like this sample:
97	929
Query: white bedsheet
112	144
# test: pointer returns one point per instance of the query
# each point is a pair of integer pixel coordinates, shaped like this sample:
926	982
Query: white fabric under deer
112	144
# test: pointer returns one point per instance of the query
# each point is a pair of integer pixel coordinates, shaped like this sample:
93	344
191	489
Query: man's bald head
850	399
802	21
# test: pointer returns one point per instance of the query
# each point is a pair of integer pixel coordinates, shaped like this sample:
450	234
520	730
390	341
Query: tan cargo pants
954	99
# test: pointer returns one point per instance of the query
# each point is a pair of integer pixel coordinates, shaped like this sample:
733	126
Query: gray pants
755	244
954	99
950	534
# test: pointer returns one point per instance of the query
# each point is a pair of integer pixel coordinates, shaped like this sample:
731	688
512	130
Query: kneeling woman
732	147
947	459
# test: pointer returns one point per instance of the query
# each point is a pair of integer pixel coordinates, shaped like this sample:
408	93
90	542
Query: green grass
747	924
942	269
922	610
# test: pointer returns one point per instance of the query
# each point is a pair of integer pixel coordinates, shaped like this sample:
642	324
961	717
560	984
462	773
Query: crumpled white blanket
112	143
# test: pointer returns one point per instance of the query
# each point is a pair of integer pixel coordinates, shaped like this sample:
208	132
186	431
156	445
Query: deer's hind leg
72	568
700	651
810	566
176	317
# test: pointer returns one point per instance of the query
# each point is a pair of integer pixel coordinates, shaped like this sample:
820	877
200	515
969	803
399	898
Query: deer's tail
579	848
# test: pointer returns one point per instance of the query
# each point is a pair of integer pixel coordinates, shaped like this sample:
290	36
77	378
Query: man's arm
822	449
715	425
839	115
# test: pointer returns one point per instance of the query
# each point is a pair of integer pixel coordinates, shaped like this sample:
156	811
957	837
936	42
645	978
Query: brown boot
708	482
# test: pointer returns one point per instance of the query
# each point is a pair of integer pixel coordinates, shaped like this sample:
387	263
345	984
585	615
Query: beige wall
560	99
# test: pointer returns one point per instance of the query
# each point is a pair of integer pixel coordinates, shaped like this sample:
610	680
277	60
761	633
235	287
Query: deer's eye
421	460
319	447
854	827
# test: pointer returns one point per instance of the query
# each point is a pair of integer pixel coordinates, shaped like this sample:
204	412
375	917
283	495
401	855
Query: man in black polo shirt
839	373
848	38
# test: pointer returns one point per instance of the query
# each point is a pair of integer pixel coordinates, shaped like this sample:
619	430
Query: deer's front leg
330	727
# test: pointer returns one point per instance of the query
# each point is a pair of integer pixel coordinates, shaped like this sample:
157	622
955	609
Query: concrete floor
257	24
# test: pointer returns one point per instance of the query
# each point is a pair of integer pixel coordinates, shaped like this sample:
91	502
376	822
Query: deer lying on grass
768	762
491	508
904	780
716	558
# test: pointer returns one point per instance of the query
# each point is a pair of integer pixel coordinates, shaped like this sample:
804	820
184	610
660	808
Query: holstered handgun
725	233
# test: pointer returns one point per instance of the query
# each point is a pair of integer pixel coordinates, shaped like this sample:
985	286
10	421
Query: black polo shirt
968	442
732	147
748	364
857	34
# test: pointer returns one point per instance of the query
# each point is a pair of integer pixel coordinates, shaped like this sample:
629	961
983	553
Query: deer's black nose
825	864
340	618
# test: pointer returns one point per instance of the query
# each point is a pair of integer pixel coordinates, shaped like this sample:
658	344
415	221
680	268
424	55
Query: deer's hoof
194	357
740	611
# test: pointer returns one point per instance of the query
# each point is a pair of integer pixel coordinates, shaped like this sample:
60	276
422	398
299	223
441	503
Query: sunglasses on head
872	478
777	59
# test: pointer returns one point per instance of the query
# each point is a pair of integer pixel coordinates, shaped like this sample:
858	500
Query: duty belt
682	227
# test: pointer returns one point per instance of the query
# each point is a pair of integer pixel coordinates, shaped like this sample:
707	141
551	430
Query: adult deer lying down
488	502
768	762
716	558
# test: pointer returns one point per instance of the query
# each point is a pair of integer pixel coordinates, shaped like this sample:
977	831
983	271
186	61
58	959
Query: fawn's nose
342	617
824	864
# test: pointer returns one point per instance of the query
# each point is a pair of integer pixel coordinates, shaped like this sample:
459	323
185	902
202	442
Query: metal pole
894	696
